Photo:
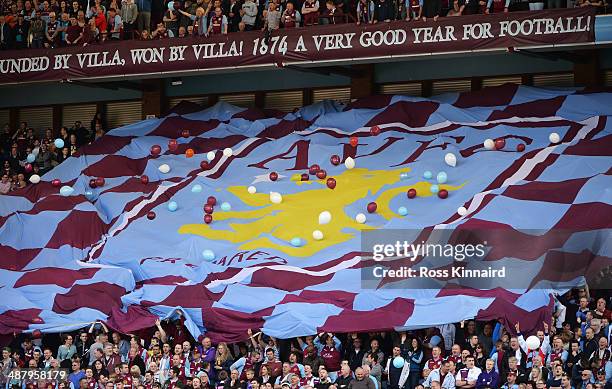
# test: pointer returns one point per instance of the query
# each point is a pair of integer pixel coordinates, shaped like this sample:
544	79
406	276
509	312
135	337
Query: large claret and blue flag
66	261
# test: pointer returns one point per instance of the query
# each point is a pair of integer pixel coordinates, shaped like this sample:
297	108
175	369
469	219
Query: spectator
129	16
383	11
199	20
144	16
90	33
5	184
6	34
331	15
52	31
74	33
218	23
74	10
365	11
115	25
361	381
249	14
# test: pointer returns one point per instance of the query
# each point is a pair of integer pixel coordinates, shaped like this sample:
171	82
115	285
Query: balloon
210	155
35	152
441	178
208	218
204	165
151	215
317	235
354	141
554	137
375	130
443	193
89	195
197	188
304	177
403	176
155	150
172	206
208	209
28	167
251	189
296	242
144	179
31	158
172	145
165	168
212	200
500	143
398	362
314	169
321	174
100	181
56	183
184	133
325	217
208	255
349	163
276	197
92	183
434	189
372	207
462	211
533	342
171	5
435	340
228	152
189	153
34	178
489	144
427	175
66	190
403	211
520	147
225	206
335	160
331	183
360	218
411	193
273	176
59	143
450	159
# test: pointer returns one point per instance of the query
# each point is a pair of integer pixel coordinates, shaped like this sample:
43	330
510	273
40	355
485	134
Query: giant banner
301	45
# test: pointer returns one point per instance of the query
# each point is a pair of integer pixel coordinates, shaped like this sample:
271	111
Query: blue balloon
427	175
59	143
434	189
172	206
442	177
225	206
403	211
296	242
197	188
403	176
398	362
435	340
171	6
208	255
31	158
89	195
66	190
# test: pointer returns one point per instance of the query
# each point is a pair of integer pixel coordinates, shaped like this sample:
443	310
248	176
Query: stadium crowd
60	23
16	146
574	353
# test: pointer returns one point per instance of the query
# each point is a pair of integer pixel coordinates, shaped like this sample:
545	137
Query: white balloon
227	152
533	342
276	197
462	211
360	218
489	144
324	217
34	178
66	190
210	155
252	190
349	163
450	159
165	168
554	137
317	235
